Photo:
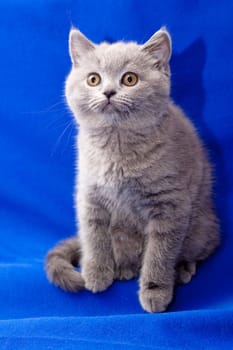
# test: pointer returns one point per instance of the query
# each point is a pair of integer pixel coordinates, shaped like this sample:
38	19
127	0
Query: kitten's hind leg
126	272
201	241
202	238
185	271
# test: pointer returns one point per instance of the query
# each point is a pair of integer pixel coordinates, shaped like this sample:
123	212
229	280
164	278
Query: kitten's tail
60	265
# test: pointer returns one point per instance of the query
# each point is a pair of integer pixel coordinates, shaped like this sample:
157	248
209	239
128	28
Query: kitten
144	185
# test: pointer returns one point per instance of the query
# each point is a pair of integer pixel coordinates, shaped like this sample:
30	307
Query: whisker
48	109
57	123
94	106
95	103
68	138
70	123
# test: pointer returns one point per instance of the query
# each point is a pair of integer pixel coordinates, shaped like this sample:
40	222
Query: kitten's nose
109	93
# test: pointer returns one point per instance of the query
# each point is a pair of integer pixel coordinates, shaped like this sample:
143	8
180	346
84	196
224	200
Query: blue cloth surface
37	158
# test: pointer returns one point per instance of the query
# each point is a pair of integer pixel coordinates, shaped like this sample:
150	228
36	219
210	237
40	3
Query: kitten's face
115	84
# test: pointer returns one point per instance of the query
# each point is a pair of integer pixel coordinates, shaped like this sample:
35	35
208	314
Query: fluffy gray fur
143	198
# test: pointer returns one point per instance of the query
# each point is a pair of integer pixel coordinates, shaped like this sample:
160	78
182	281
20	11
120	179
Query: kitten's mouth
109	108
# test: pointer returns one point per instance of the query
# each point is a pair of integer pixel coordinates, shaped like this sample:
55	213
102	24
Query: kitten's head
120	83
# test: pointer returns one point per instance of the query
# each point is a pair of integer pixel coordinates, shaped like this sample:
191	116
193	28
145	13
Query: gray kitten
144	185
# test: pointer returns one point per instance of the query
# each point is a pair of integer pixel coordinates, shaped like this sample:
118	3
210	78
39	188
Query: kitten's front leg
97	257
164	237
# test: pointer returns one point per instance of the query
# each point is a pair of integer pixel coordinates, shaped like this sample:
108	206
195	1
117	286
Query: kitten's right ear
79	45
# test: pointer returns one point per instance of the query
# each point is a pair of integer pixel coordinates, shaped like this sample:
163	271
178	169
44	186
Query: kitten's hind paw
185	271
155	298
125	272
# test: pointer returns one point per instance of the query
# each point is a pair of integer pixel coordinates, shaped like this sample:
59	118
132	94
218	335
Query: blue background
37	156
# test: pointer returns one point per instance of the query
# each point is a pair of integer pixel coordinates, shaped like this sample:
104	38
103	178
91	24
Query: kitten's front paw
155	298
98	277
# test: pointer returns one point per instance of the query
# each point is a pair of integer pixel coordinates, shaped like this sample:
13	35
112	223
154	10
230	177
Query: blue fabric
37	174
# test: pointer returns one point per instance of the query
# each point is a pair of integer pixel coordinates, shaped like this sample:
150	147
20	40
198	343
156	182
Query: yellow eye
129	79
93	79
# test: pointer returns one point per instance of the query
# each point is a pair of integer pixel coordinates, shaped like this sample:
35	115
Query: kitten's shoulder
180	119
182	131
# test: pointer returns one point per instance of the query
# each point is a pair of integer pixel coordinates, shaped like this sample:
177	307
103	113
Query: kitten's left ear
160	47
79	45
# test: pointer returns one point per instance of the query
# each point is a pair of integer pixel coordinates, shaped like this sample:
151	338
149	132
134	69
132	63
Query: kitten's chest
118	170
114	158
113	180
